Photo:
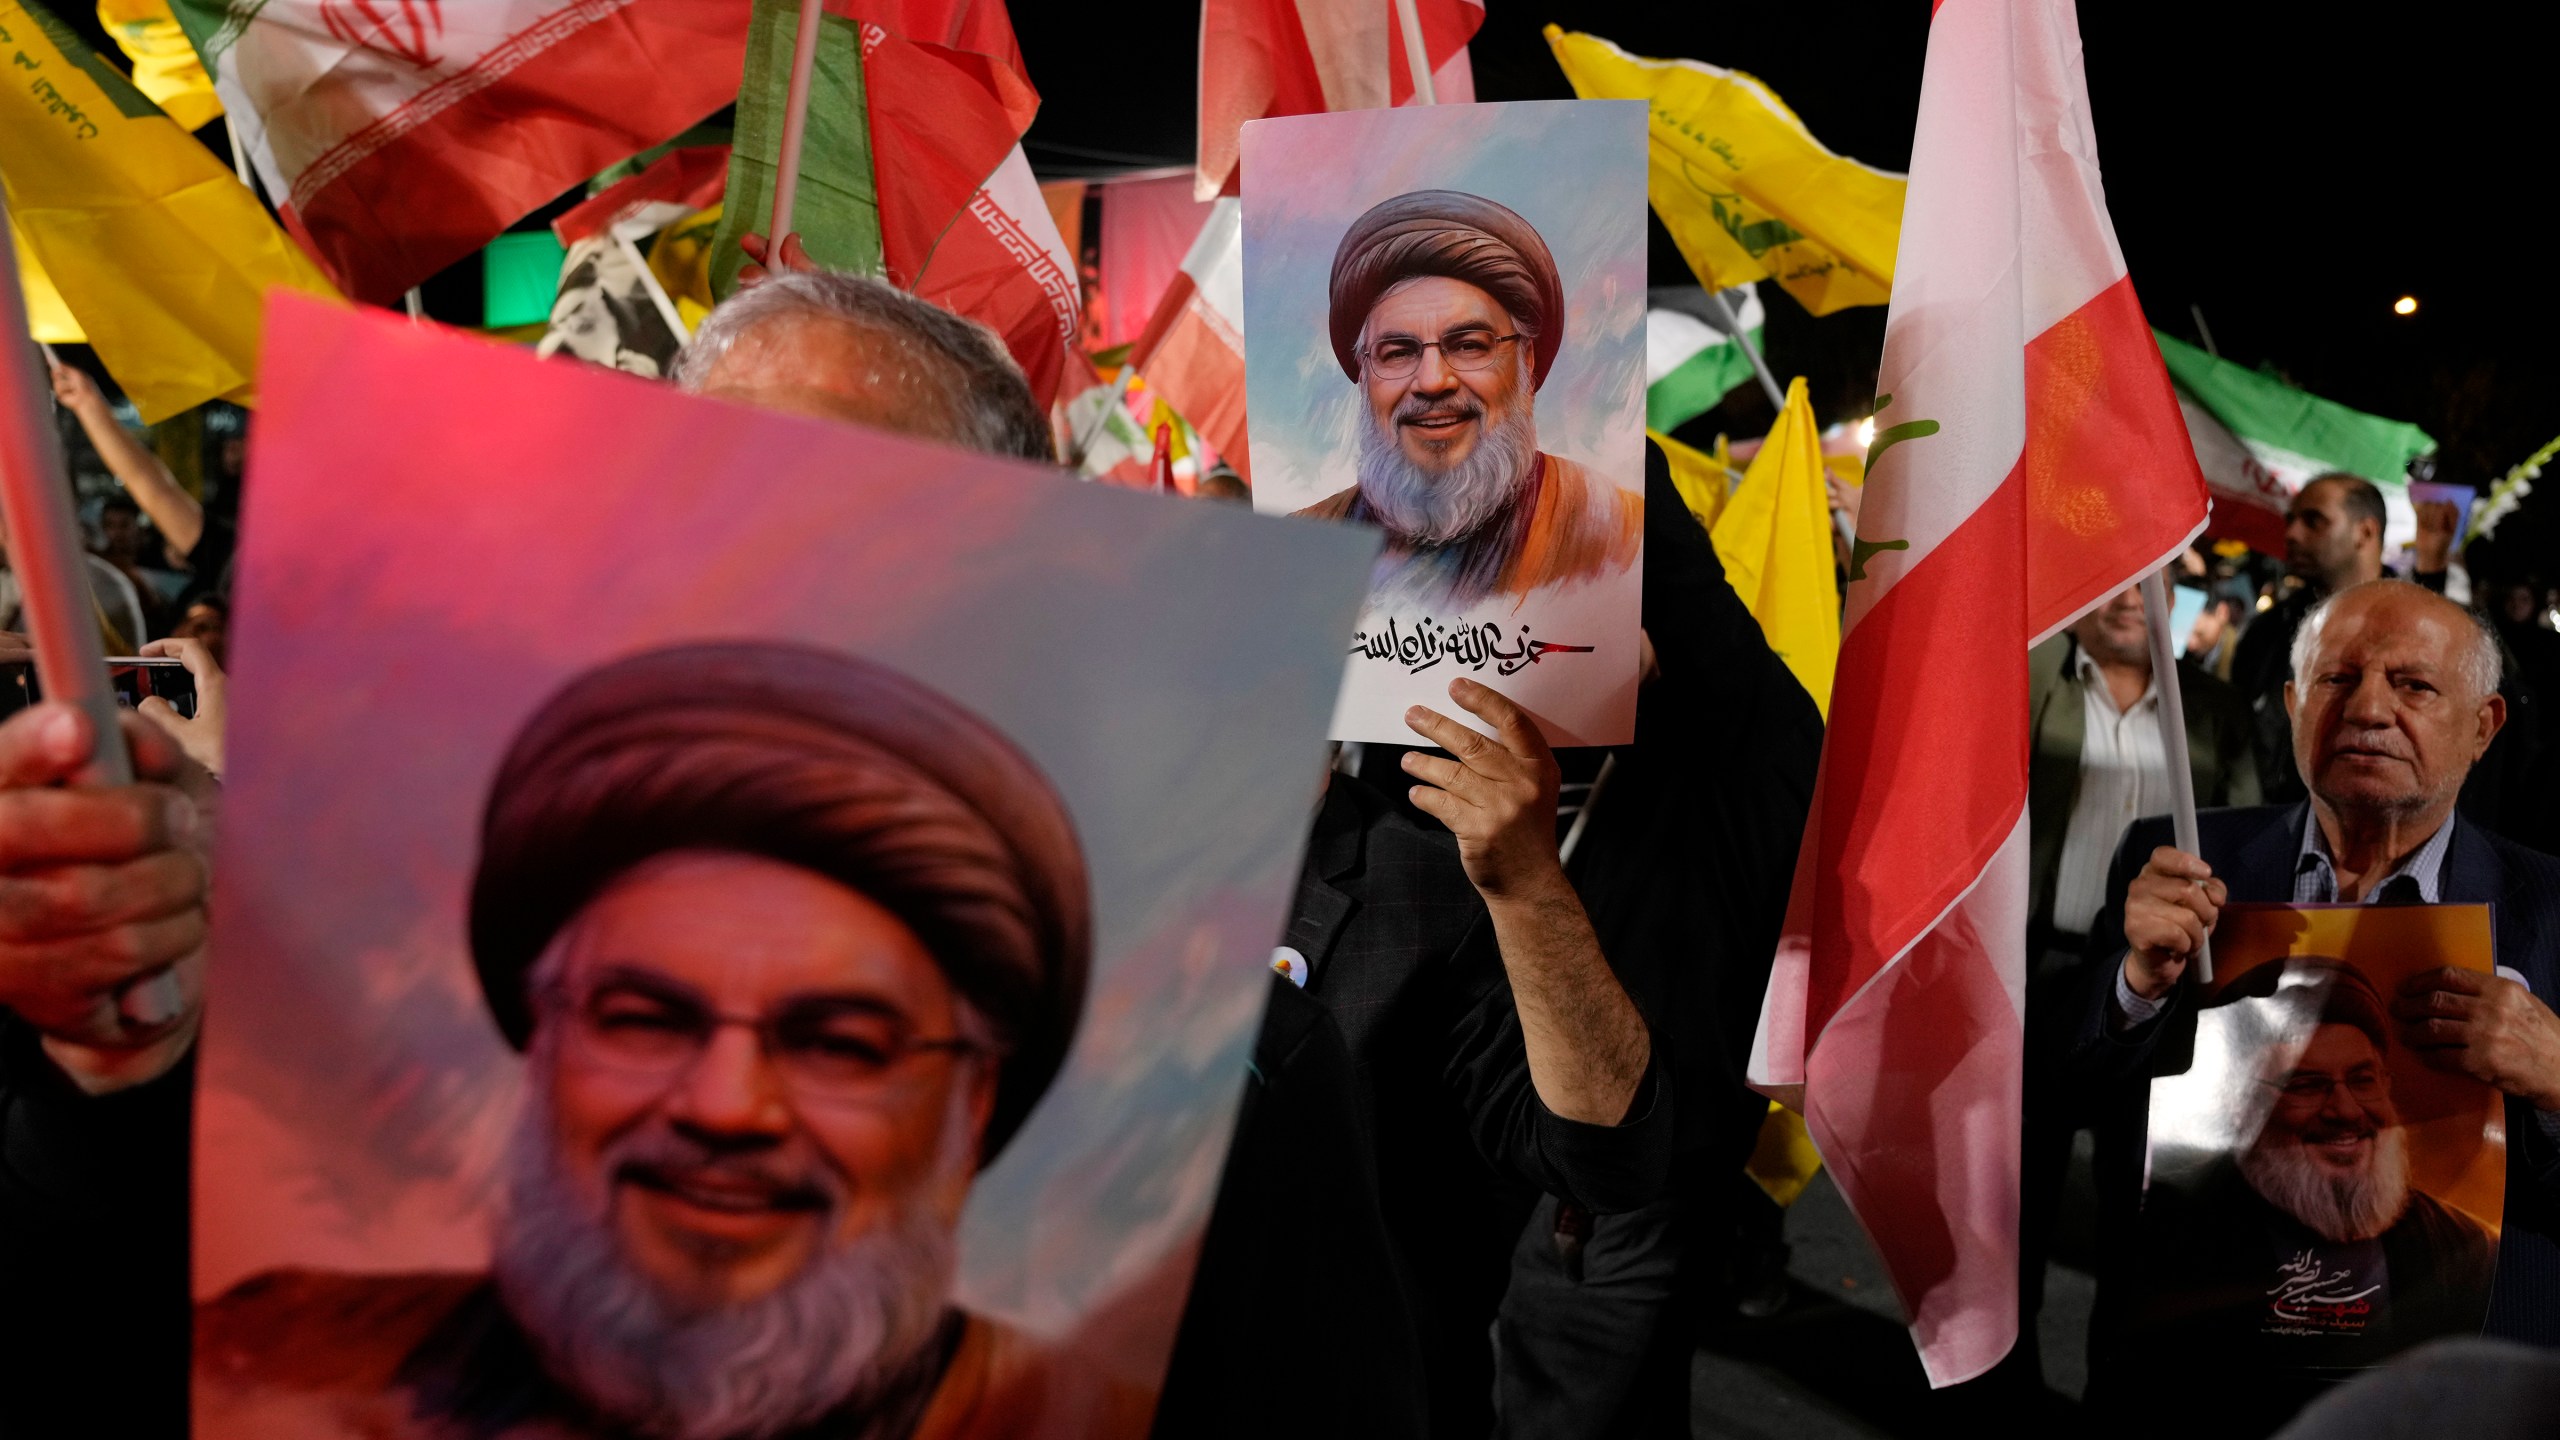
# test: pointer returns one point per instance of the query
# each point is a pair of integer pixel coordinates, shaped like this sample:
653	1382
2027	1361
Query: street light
2405	305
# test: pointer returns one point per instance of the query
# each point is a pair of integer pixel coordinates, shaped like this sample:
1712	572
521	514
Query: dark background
2286	168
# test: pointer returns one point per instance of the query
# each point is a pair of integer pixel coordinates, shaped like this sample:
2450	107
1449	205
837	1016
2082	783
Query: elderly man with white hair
2394	698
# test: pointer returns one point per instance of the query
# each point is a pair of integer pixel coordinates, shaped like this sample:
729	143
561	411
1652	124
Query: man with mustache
1448	313
2308	1249
2395	698
791	945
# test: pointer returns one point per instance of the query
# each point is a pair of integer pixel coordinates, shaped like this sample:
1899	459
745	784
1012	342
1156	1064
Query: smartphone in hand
136	678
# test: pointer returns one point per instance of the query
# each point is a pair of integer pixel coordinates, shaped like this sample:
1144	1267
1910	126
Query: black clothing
2254	851
1400	951
93	1250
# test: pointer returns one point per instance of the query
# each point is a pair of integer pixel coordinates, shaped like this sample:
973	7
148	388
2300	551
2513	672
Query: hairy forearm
1588	1046
177	515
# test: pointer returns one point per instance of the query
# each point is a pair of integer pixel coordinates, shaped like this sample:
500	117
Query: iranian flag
1690	362
1260	58
2259	439
1192	351
398	136
2031	463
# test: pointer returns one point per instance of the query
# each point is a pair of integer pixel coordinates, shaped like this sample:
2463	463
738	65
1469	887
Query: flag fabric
1704	480
2284	437
153	247
1774	536
1745	190
911	166
1690	362
399	138
1260	58
1193	348
165	66
2058	472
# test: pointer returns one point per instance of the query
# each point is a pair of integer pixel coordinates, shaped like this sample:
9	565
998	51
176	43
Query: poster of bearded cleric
1444	337
2320	1197
729	924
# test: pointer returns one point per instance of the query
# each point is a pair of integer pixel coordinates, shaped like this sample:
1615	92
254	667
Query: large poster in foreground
1444	341
2319	1199
727	924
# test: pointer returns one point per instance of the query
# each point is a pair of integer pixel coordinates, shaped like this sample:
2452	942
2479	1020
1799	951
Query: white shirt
2124	775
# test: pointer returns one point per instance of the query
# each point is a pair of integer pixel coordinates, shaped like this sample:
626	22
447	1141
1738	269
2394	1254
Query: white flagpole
1751	352
1417	56
2173	737
795	120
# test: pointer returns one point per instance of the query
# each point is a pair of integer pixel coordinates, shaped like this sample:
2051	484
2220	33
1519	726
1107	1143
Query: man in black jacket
2394	700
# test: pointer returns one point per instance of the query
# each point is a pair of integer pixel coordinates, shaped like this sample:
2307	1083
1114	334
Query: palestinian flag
2258	439
1690	362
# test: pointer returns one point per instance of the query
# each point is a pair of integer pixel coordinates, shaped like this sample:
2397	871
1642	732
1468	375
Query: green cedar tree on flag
398	138
1690	362
2258	439
911	166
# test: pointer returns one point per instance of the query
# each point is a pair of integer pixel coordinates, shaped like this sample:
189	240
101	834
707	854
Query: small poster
2319	1198
727	924
1444	341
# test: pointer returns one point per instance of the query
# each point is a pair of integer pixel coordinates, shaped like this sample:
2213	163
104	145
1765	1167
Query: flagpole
56	604
2173	738
1417	56
1759	367
795	119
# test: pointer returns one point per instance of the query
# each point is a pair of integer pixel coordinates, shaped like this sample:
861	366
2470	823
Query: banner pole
1417	56
2173	737
1751	352
795	120
59	610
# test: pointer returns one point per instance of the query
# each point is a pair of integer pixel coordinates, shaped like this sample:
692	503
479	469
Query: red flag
2058	472
1260	58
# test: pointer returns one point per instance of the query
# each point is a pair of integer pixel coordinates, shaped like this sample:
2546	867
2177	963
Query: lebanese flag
1193	348
1260	58
962	221
2060	473
397	139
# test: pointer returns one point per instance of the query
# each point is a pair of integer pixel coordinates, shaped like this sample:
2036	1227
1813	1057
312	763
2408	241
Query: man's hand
2485	1026
100	888
2436	519
2168	911
795	256
200	737
1497	797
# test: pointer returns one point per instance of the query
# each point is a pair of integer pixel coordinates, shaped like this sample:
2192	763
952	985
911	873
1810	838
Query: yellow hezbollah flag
157	250
165	66
1743	187
1703	480
48	319
1774	537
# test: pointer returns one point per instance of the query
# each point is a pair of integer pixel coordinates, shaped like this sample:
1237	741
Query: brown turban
815	759
1464	237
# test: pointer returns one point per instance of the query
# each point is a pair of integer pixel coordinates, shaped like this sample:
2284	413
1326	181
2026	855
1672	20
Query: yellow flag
1783	1161
1703	480
160	253
1774	537
681	259
165	66
1743	187
48	319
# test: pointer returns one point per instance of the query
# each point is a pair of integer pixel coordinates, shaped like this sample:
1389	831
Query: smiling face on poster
1444	327
730	925
2320	1198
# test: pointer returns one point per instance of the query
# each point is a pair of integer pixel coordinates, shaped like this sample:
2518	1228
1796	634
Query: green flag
1690	363
836	209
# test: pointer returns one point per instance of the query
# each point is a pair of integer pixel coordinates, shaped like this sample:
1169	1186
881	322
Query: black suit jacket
2253	851
1438	1105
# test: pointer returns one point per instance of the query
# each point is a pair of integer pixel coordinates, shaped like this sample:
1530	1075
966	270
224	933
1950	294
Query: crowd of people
1486	1177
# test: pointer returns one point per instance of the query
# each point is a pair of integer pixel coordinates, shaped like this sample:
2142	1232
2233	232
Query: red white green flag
398	136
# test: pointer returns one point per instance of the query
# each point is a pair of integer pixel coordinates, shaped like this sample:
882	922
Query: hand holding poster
2320	1198
1444	320
796	914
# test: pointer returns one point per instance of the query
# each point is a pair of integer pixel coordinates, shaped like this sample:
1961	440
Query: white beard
2341	1209
836	1336
1423	509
